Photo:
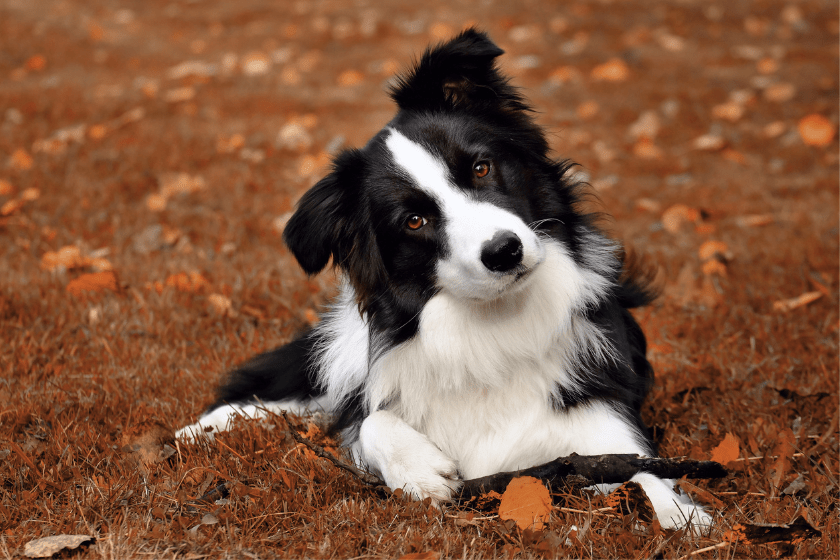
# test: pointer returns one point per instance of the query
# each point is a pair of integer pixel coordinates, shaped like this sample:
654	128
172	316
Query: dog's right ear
320	228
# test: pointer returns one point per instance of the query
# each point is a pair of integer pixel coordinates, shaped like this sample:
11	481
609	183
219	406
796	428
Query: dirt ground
150	153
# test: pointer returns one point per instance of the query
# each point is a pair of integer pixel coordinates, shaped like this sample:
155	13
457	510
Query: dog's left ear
322	225
459	73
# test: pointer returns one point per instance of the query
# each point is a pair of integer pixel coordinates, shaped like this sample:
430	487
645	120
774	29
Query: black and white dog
482	323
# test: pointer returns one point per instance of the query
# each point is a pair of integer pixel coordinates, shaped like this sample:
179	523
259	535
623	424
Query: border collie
482	322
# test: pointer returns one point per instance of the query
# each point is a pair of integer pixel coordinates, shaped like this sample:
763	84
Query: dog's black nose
503	252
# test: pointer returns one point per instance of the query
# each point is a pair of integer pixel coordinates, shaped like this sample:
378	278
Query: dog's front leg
404	458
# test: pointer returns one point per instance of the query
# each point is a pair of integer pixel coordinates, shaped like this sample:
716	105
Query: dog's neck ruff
531	337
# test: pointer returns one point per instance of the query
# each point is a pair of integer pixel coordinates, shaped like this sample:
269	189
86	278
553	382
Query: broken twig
583	470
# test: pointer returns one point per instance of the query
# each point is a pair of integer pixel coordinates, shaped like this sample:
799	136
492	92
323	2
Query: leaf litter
122	152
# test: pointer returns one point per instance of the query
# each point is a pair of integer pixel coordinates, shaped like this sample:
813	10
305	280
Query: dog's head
455	194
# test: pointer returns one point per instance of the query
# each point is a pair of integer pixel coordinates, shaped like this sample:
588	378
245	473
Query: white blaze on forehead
427	171
468	224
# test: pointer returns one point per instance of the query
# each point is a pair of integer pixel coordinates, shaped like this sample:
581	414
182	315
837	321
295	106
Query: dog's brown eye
415	222
481	169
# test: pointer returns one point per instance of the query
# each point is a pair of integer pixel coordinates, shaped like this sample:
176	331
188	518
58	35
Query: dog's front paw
407	459
680	514
423	472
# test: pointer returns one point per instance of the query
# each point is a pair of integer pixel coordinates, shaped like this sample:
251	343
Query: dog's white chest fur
478	380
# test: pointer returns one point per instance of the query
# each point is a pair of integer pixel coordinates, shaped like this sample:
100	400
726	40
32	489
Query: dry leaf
780	93
50	546
12	206
727	451
709	143
526	501
799	301
816	130
6	188
221	305
646	149
188	282
711	249
614	70
630	497
755	220
674	217
714	267
587	110
350	78
93	282
21	160
148	443
255	64
729	111
782	450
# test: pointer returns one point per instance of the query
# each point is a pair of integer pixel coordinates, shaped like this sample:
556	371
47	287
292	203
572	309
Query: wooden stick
582	470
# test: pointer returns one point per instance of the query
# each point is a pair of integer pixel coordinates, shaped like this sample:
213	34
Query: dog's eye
481	169
415	222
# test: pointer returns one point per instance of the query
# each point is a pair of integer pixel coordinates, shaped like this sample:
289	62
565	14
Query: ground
150	153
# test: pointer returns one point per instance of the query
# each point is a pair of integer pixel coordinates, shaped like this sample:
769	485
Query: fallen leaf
526	501
36	63
630	497
709	143
729	111
780	93
156	202
12	206
68	257
711	249
50	546
755	220
714	267
6	188
727	450
767	65
30	194
21	160
614	70
799	301
350	78
188	282
783	450
221	305
148	443
178	95
587	110
816	130
774	129
675	216
255	64
93	282
646	149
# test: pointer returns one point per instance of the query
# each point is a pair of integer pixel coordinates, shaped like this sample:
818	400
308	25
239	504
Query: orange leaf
614	70
93	282
192	282
816	130
728	450
11	206
21	160
527	501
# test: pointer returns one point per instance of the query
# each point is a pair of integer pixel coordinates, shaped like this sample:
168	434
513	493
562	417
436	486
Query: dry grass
93	383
